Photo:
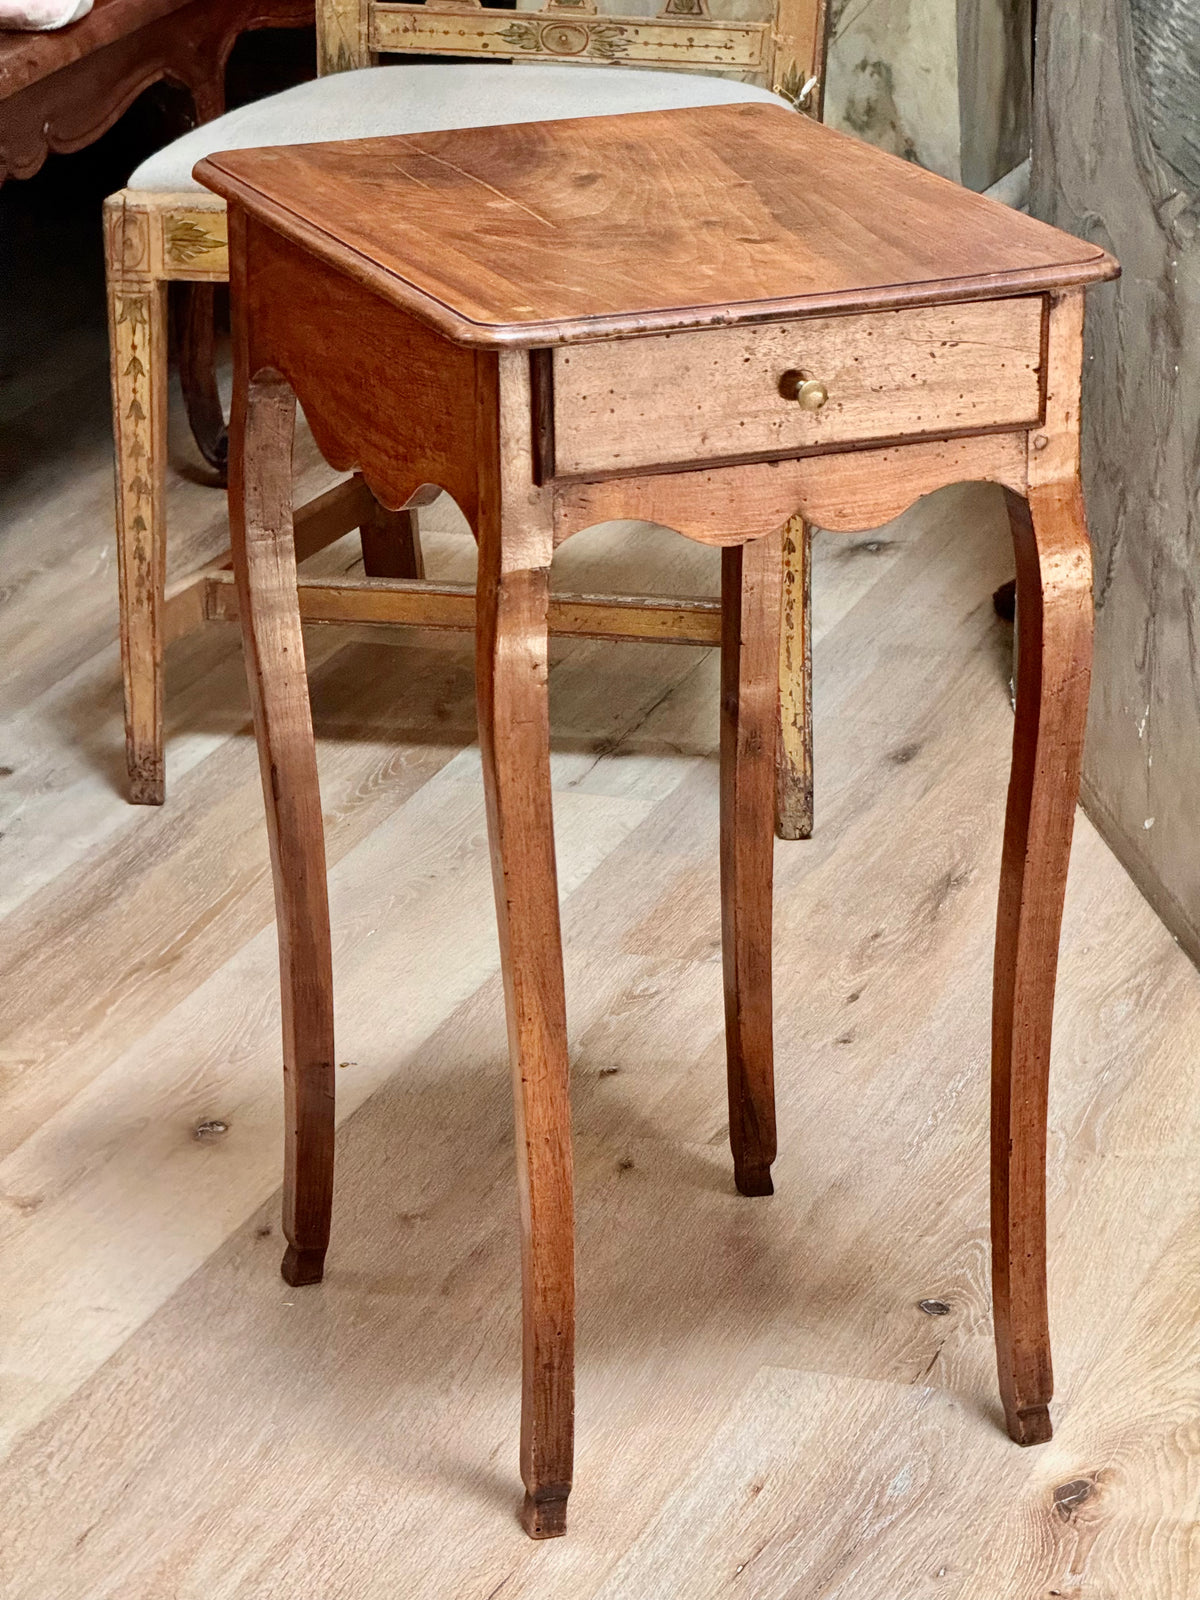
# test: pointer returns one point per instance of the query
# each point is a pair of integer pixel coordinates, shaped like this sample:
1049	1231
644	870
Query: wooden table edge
461	330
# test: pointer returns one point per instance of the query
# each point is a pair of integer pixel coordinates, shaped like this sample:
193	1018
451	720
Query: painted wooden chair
164	228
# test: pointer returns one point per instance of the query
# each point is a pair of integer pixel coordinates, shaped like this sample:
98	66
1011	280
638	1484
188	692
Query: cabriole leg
514	734
264	560
1054	606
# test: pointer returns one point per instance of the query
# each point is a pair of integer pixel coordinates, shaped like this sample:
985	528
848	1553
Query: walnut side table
711	319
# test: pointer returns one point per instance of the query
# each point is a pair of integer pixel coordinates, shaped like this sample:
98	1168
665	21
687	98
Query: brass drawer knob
807	392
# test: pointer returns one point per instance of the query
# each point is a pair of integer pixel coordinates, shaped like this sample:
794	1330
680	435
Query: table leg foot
753	1181
301	1267
544	1516
1031	1426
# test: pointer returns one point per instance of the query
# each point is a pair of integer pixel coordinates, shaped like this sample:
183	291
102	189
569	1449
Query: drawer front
715	394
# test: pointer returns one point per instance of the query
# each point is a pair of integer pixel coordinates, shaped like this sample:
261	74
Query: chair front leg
794	770
137	314
751	586
514	734
1054	608
264	559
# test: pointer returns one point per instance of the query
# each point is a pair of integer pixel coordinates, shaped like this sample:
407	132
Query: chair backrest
776	43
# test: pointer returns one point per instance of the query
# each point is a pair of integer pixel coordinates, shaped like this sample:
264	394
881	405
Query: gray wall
1116	160
940	83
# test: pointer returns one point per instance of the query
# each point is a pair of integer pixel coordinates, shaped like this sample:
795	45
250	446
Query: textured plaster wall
941	82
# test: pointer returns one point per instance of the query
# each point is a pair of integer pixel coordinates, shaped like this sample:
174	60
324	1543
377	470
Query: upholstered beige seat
422	99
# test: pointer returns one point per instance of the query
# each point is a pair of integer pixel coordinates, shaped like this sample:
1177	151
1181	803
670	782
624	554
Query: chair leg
138	356
1054	599
512	669
264	559
391	544
196	345
794	761
750	602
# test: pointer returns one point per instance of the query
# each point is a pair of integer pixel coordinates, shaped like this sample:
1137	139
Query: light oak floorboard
763	1408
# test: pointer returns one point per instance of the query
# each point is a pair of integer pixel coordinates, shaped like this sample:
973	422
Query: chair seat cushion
423	99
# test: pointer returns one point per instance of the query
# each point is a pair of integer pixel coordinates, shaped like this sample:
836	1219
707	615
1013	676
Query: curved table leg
751	587
196	346
1054	602
264	560
514	734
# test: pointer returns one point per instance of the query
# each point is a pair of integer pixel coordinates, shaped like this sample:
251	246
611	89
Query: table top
606	227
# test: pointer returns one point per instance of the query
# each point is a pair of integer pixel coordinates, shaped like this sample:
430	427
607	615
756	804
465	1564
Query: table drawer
715	394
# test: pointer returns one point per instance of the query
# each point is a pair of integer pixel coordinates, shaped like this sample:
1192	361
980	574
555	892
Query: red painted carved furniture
718	320
60	91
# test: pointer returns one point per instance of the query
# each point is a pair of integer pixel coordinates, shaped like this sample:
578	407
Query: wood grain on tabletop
602	226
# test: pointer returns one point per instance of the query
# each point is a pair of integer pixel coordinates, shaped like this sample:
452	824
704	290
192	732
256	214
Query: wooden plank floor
764	1410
